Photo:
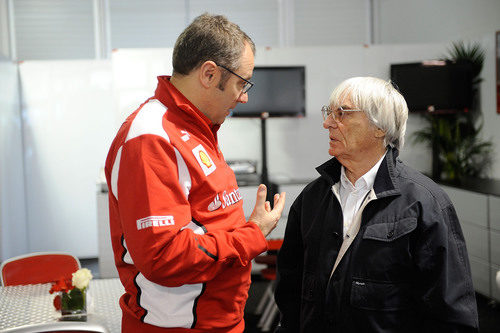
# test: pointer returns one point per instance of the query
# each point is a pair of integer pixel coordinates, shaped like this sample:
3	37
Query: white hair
384	106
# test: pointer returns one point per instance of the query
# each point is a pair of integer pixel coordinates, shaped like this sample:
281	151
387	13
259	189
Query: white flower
81	278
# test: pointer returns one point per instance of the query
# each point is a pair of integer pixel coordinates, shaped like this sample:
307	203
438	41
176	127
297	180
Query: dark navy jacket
406	271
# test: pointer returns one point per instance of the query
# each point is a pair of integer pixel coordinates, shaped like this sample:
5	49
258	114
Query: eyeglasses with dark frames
248	84
337	114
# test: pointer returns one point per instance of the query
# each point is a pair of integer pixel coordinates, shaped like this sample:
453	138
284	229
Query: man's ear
379	133
208	74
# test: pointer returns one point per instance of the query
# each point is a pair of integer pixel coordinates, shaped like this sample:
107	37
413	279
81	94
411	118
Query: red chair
267	306
38	267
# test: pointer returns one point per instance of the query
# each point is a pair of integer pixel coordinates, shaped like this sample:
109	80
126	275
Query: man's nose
243	98
329	122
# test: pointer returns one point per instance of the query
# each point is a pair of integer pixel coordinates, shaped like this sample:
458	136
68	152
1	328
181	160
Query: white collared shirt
352	196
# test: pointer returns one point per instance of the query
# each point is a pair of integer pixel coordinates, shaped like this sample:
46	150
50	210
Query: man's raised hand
262	214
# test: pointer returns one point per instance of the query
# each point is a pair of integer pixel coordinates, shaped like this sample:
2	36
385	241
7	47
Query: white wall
157	23
68	123
4	30
134	77
427	21
13	240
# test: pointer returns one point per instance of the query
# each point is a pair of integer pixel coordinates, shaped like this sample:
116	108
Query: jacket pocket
380	295
390	231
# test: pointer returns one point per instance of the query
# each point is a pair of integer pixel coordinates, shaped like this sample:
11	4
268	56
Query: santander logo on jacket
228	199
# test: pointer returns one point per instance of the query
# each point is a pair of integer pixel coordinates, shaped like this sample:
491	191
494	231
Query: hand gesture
262	214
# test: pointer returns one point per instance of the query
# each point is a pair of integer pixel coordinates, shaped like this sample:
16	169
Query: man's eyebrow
248	75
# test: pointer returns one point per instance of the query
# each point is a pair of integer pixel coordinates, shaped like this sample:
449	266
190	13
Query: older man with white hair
372	245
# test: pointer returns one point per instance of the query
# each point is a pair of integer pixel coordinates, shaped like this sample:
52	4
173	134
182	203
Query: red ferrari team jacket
181	243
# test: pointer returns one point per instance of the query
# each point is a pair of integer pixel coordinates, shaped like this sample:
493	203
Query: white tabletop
33	304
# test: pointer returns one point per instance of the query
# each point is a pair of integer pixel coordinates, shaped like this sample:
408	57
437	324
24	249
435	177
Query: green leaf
73	300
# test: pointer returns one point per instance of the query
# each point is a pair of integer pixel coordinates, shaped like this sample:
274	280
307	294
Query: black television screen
280	91
434	86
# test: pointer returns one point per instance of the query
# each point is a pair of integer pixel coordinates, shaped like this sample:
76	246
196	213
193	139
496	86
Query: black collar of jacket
385	182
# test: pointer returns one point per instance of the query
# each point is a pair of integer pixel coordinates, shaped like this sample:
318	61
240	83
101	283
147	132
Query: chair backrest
38	267
59	327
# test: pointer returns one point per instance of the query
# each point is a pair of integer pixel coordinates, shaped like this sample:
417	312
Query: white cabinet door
471	207
472	211
107	268
480	276
476	240
494	212
495	247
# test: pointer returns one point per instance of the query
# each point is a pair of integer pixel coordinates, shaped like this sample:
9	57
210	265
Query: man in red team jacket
182	245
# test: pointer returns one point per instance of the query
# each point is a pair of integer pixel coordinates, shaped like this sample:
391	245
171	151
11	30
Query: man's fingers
279	202
261	195
262	215
276	197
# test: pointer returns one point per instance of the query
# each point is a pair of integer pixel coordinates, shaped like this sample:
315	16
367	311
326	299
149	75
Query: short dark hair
210	37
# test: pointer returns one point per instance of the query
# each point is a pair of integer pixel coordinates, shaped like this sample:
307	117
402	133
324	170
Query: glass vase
74	305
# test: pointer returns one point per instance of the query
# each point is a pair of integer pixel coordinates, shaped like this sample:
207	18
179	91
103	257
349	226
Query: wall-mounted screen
434	85
279	91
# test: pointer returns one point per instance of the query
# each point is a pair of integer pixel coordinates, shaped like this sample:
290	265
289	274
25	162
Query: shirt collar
386	181
364	182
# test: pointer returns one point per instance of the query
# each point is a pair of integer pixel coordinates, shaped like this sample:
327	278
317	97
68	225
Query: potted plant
458	150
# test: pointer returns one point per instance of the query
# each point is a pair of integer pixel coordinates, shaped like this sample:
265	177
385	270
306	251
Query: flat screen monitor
279	91
434	86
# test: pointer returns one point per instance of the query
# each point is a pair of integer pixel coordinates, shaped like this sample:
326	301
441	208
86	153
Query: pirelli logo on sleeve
206	163
155	221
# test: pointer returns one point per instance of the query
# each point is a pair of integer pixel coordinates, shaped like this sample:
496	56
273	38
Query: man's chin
220	121
331	152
